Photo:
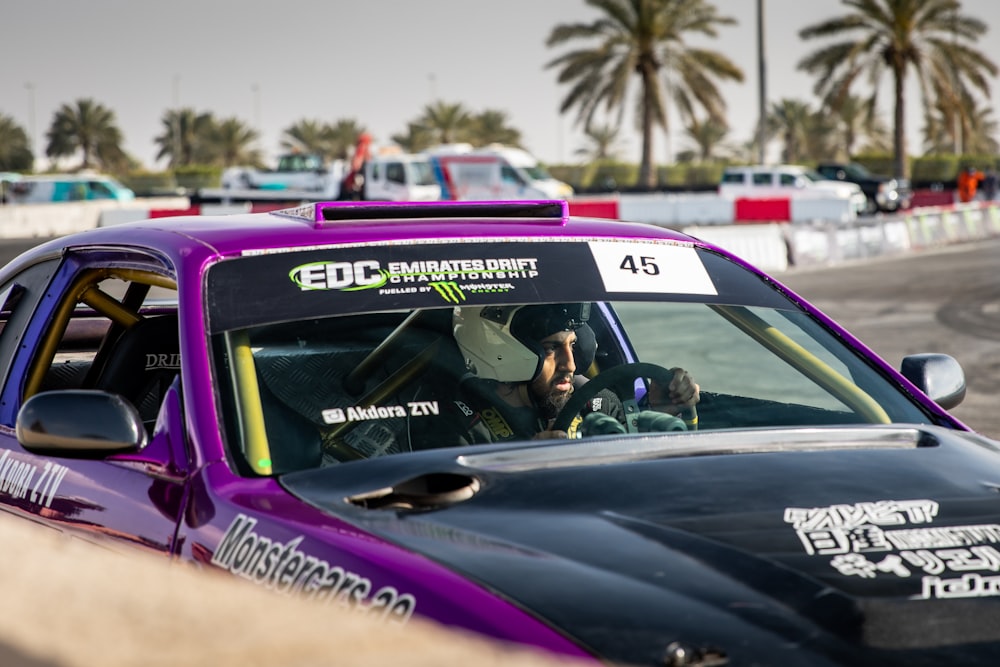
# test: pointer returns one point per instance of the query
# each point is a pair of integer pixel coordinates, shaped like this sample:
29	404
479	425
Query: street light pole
255	89
30	87
762	79
177	121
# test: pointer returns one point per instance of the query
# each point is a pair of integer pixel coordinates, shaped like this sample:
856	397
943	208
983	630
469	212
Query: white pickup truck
764	181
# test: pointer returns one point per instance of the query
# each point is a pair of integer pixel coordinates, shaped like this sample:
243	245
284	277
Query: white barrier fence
773	247
777	247
29	221
709	208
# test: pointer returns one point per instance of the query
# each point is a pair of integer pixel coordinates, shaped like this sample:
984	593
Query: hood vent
426	492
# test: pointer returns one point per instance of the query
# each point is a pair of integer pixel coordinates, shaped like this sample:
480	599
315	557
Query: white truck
391	177
493	173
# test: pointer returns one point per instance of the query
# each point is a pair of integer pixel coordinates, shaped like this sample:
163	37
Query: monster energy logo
449	291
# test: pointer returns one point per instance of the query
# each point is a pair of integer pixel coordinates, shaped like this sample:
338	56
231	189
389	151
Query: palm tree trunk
900	153
647	177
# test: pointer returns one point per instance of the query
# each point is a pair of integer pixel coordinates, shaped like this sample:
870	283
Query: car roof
768	168
336	223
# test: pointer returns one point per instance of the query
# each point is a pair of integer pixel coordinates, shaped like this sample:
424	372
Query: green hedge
882	164
934	168
198	176
144	183
624	175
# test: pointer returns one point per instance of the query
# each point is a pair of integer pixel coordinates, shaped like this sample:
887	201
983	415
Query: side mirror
938	375
79	422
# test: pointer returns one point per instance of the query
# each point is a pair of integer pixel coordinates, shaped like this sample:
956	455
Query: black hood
855	546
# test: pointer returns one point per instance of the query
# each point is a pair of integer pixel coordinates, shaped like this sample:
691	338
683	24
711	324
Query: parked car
274	396
883	193
786	180
55	188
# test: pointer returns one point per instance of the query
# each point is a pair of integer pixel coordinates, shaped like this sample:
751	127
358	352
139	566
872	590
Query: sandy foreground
70	603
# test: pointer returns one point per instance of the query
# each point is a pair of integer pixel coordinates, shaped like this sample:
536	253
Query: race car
318	401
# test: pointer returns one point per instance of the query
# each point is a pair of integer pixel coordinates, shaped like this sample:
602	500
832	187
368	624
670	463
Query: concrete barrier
764	246
28	221
676	209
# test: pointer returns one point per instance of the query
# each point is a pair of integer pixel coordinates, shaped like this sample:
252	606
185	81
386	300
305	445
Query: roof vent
554	212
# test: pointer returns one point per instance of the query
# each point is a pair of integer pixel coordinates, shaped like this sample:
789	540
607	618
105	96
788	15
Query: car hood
843	187
857	546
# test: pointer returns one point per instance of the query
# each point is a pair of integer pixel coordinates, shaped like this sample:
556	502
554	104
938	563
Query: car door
60	318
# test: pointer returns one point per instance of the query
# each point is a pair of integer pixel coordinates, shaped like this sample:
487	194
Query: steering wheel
621	381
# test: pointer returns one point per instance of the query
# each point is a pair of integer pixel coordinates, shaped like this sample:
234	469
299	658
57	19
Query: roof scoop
552	212
426	492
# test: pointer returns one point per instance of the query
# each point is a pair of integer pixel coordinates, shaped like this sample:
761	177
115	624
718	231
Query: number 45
646	265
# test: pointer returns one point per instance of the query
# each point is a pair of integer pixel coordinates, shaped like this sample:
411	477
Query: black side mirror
79	422
938	375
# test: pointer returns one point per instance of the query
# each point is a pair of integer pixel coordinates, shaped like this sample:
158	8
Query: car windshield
422	173
373	351
537	172
857	171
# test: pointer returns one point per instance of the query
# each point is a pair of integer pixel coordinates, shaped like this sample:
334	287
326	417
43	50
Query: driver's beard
552	402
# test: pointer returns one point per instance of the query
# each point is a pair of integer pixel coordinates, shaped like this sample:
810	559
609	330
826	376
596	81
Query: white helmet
502	342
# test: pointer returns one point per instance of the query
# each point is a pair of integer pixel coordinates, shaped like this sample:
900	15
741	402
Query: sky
378	62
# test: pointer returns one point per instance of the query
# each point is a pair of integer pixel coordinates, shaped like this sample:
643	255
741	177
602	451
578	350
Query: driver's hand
681	393
550	435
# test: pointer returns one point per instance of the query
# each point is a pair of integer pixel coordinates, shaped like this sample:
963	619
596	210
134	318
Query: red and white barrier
772	234
678	210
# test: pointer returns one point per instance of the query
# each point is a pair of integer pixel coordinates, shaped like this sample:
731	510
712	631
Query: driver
523	364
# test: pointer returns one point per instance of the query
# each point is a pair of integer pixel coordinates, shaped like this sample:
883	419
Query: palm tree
492	127
15	148
894	37
342	137
979	134
417	138
853	117
307	136
707	135
805	134
602	143
973	133
645	38
85	128
183	132
448	122
232	142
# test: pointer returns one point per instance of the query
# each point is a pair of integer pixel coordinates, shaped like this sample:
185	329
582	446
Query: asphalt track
943	300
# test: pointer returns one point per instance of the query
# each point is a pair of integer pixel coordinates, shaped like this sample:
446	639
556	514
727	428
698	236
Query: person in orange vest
968	181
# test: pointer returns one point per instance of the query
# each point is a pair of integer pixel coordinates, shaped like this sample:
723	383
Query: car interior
113	338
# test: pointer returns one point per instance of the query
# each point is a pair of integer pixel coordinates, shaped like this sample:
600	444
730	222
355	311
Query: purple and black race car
312	400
